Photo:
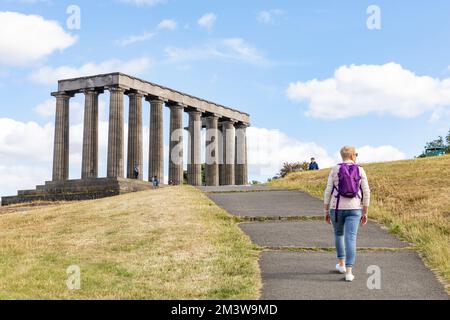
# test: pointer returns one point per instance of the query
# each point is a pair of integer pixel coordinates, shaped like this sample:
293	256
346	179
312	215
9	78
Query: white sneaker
349	277
340	269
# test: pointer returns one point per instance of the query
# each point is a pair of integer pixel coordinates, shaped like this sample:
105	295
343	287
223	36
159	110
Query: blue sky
389	98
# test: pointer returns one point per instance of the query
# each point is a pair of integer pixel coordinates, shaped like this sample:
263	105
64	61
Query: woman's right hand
328	218
364	220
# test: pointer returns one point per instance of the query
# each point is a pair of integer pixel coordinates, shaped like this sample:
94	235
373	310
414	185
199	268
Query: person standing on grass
313	165
136	172
346	203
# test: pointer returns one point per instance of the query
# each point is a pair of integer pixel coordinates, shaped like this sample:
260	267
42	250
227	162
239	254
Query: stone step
229	189
31	192
6	201
311	276
268	204
72	190
314	234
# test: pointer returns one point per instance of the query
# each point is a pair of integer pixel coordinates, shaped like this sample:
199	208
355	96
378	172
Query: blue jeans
345	233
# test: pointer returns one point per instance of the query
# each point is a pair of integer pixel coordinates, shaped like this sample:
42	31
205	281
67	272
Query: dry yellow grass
412	198
171	243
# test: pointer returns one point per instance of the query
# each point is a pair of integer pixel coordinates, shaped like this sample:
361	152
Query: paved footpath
298	259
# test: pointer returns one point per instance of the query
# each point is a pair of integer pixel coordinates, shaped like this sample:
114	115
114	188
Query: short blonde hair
347	152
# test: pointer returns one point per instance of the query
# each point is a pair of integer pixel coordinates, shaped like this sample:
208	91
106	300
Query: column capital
116	89
212	116
91	90
153	99
228	122
137	94
241	125
195	112
62	94
176	105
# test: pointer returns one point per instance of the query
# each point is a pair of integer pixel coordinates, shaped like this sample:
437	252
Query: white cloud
232	48
243	51
147	35
167	24
24	141
21	177
46	109
26	152
269	149
359	90
26	39
441	114
136	38
207	21
269	16
368	154
28	1
141	3
50	75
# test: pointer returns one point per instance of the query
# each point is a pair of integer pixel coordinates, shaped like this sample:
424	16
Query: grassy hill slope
171	243
412	198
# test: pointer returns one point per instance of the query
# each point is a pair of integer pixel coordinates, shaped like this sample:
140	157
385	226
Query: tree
293	167
440	142
447	139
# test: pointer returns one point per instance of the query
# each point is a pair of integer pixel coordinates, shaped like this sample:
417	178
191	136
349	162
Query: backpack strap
338	197
337	206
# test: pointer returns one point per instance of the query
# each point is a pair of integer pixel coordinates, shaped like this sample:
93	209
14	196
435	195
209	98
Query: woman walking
346	203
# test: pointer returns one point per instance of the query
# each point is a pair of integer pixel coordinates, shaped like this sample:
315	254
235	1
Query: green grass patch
411	198
170	243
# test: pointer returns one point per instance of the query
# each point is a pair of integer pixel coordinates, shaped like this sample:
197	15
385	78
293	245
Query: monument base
75	190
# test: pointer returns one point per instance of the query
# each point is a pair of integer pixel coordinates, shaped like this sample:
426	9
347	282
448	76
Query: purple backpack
349	183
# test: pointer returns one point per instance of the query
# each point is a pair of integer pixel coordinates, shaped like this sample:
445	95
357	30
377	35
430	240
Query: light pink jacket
346	203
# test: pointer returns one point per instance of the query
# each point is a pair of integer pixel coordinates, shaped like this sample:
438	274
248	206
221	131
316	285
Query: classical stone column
212	151
116	134
89	167
241	155
176	145
229	152
194	156
156	148
135	151
61	139
221	154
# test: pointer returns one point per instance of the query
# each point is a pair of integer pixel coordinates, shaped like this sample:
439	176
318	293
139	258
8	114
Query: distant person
313	165
136	172
155	181
348	196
